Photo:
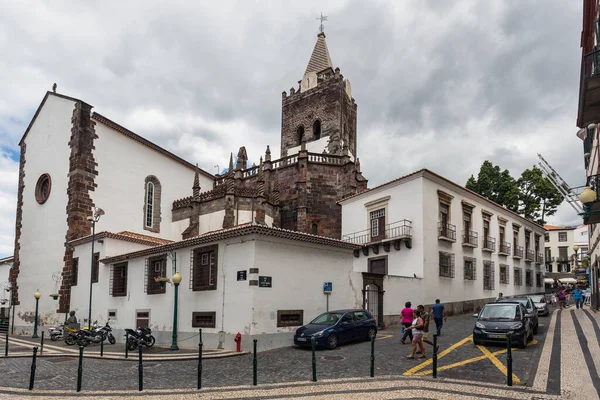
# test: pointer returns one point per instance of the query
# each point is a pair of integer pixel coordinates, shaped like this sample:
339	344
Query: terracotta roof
320	59
37	112
559	228
125	236
102	119
242	230
424	172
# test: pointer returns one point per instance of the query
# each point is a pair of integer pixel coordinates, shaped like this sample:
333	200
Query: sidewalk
20	346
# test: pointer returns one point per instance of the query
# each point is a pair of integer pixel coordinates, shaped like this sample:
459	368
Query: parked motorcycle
140	335
107	333
55	333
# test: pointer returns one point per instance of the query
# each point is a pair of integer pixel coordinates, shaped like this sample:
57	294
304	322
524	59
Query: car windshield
328	318
522	301
538	298
508	311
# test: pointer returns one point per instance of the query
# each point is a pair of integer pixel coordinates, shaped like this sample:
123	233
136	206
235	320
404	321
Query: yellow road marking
497	363
381	336
442	354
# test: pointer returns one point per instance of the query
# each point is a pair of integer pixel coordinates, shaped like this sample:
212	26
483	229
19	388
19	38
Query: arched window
152	204
300	133
317	130
315	229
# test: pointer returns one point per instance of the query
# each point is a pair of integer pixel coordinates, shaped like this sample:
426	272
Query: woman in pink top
407	318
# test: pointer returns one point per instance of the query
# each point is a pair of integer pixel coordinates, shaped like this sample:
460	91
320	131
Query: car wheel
332	341
529	336
476	341
523	343
372	332
535	331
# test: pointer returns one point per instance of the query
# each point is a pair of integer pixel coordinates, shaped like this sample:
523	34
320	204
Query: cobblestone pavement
287	368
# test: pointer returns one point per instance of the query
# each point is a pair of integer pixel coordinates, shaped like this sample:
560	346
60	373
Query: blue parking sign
327	286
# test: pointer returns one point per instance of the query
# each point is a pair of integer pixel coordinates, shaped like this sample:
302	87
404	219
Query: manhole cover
333	358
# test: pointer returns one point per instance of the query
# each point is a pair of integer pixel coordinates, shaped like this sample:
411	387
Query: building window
548	267
152	194
314	229
112	314
546	237
156	267
378	265
118	281
378	224
317	130
538	279
74	271
204	319
562	236
488	275
203	274
470	268
446	264
142	319
518	273
96	267
42	188
529	278
504	274
290	318
300	134
563	253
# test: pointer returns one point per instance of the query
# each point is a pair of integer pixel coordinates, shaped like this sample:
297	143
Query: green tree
496	185
538	197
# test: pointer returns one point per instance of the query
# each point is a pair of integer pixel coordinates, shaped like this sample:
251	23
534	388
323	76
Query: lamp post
575	249
98	212
176	279
37	296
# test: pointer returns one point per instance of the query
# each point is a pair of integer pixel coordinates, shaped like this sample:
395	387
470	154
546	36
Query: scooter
55	333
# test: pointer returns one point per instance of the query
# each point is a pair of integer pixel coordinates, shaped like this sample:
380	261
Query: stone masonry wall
14	271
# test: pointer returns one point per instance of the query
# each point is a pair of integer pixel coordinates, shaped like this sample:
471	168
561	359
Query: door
378	224
346	328
373	296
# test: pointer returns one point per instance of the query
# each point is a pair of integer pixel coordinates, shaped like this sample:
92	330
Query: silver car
540	303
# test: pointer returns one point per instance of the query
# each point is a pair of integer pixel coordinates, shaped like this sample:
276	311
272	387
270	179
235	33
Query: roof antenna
322	18
54	88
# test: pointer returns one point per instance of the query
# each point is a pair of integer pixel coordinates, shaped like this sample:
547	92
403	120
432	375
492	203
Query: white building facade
424	237
559	251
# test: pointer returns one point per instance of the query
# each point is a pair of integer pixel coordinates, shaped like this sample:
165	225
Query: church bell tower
321	111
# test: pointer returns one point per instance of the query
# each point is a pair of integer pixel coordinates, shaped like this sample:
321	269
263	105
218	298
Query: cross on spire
322	18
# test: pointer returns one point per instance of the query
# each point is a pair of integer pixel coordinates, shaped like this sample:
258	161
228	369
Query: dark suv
496	320
529	305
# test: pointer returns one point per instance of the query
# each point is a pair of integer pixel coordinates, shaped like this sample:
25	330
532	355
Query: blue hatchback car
335	327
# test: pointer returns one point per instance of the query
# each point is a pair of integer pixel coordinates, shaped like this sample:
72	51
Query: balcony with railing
589	91
550	260
539	259
529	255
518	252
505	248
489	244
562	259
395	230
469	238
446	232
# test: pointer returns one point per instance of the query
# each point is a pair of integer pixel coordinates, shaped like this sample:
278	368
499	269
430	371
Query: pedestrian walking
562	297
578	296
553	299
416	328
439	316
407	318
500	296
425	317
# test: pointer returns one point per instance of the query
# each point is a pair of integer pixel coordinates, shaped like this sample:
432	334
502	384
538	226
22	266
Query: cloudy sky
439	84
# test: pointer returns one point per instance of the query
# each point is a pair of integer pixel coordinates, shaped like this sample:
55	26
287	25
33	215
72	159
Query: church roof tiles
320	59
125	236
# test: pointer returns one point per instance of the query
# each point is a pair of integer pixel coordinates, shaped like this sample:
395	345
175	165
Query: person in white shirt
417	331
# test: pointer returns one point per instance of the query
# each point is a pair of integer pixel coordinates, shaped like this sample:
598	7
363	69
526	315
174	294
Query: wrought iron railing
539	258
518	252
470	238
505	248
529	255
593	181
394	230
489	244
447	231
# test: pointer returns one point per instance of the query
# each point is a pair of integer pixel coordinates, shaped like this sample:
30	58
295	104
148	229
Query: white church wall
43	225
211	222
123	165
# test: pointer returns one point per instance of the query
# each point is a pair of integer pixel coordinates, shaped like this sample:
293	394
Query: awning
567	280
548	280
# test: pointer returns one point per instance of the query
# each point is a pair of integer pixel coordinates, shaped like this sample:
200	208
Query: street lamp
575	248
98	212
176	279
37	296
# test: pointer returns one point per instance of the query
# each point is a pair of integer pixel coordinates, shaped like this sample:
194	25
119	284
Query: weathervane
322	18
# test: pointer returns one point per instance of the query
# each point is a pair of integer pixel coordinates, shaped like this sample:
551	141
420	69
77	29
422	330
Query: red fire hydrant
238	341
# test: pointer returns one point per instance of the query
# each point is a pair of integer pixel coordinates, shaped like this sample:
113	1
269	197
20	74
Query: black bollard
373	356
435	336
254	365
6	346
126	344
32	375
80	369
200	361
42	344
314	359
101	348
140	370
509	381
